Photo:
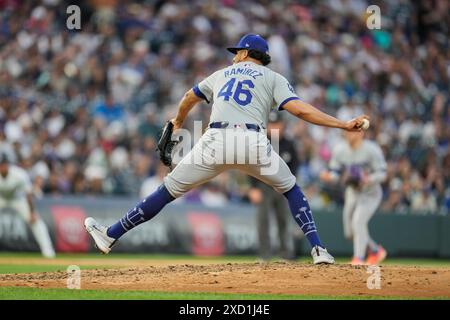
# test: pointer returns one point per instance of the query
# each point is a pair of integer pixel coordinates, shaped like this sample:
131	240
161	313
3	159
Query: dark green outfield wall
402	235
183	228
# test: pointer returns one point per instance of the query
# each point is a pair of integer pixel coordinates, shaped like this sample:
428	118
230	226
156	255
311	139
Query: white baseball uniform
360	204
13	191
243	93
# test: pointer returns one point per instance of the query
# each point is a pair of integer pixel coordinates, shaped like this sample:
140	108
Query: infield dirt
271	278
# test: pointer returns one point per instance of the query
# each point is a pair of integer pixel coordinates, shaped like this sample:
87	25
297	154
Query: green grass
20	293
144	256
27	268
15	268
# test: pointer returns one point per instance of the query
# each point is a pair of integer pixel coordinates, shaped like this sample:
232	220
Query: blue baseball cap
251	42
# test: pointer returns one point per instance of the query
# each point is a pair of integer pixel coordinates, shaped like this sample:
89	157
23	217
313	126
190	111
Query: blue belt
225	124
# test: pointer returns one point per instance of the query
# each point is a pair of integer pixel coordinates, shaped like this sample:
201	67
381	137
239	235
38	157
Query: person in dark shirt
266	199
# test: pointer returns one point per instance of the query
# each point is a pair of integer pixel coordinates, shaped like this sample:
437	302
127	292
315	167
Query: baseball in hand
365	124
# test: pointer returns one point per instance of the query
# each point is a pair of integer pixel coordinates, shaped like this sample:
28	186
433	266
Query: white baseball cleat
98	233
320	255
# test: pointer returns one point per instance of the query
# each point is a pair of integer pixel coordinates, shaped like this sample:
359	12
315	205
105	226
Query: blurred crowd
81	109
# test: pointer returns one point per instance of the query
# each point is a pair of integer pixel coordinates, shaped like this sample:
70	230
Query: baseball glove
354	176
166	144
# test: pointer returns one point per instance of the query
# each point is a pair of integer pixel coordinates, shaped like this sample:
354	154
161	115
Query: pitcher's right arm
307	112
285	98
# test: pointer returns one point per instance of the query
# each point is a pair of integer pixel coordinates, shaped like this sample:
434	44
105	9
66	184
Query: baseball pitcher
361	165
15	194
243	94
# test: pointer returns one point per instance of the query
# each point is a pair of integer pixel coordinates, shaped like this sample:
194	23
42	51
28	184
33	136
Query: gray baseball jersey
245	92
13	189
16	185
368	156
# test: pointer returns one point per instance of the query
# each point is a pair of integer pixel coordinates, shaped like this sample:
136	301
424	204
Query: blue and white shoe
321	256
98	232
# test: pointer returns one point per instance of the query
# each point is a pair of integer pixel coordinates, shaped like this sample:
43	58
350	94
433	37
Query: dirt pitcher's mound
274	278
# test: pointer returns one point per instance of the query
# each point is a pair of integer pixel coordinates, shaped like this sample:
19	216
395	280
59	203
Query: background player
361	165
16	194
244	94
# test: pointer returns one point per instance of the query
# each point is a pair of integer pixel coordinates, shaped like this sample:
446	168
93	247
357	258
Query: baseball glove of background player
354	176
165	144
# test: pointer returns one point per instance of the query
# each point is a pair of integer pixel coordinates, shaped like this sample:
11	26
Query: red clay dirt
272	278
